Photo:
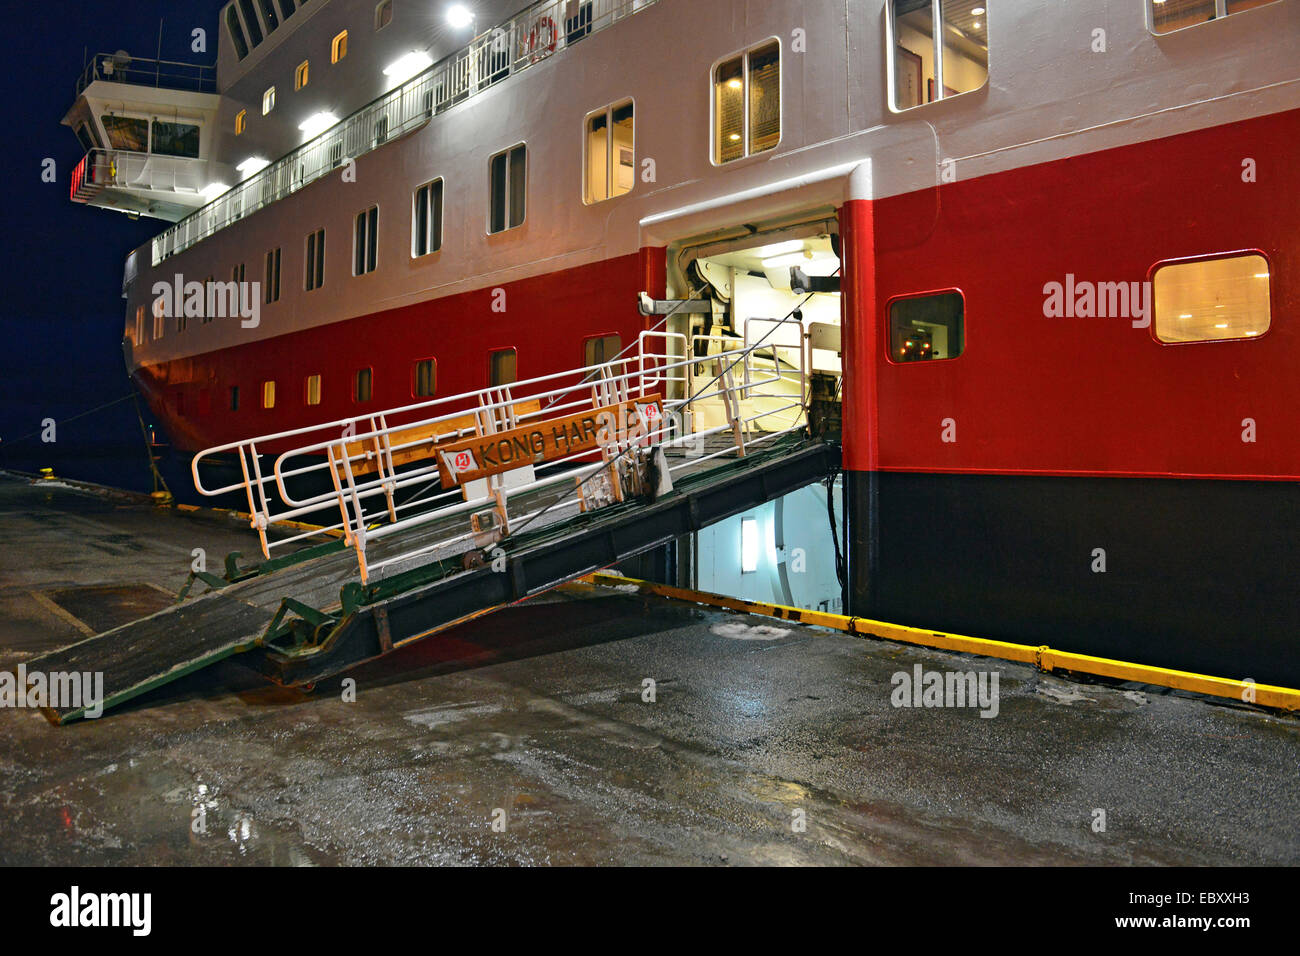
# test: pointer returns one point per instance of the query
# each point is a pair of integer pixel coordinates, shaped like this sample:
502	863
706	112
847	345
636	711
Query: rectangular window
1170	15
366	242
159	319
501	367
126	133
930	64
426	378
207	297
507	181
175	139
268	394
313	389
383	14
237	274
381	130
272	21
1209	300
315	260
250	19
925	328
241	122
271	290
236	32
234	398
139	325
426	219
362	383
302	74
747	103
601	349
339	47
610	167
578	25
268	100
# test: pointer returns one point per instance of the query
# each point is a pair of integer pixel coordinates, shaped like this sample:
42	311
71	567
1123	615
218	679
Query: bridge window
313	389
507	180
383	14
930	64
610	169
268	394
426	378
339	47
362	383
1212	299
175	139
426	219
272	21
502	367
601	349
1170	15
271	293
241	122
926	328
250	20
301	74
268	101
286	8
747	103
236	30
126	133
366	242
315	260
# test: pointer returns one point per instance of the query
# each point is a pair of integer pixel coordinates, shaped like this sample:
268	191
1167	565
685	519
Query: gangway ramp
425	520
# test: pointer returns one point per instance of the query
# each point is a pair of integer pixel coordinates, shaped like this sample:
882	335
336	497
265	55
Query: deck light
459	17
412	63
213	190
254	164
318	123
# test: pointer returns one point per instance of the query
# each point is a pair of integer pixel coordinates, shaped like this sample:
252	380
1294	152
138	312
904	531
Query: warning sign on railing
539	442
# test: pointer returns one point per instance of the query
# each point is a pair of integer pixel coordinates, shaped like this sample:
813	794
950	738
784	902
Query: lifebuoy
532	38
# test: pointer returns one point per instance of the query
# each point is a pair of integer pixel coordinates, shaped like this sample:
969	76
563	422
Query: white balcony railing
540	31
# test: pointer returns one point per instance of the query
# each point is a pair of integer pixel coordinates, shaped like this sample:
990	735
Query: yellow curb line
1043	657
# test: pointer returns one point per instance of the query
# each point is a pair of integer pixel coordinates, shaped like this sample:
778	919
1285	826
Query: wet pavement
532	737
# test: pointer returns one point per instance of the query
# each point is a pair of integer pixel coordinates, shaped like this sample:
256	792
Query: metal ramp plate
155	650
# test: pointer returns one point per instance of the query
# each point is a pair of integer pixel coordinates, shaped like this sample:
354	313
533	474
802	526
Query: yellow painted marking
1043	657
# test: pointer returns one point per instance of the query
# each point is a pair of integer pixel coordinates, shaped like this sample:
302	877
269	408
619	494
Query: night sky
62	314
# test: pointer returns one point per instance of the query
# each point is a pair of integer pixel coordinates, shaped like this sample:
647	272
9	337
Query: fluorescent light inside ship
318	123
409	65
254	164
748	545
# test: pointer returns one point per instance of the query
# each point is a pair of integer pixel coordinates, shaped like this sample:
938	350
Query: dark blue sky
62	314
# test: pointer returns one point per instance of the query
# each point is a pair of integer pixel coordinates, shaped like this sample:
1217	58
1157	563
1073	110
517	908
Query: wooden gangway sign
547	440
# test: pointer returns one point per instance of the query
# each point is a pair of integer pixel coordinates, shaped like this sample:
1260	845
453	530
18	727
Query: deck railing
541	31
139	71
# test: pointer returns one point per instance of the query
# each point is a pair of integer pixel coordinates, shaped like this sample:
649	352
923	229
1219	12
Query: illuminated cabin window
241	122
236	30
315	262
268	100
302	74
339	47
426	219
139	325
501	367
362	384
365	242
747	103
159	318
610	168
1212	299
1170	15
426	378
383	14
927	328
268	394
600	349
271	289
930	65
507	186
313	389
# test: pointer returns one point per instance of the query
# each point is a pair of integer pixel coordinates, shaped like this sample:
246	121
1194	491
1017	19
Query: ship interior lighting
459	17
748	545
318	123
780	248
792	259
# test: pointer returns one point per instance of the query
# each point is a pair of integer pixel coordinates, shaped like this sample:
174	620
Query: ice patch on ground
746	632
